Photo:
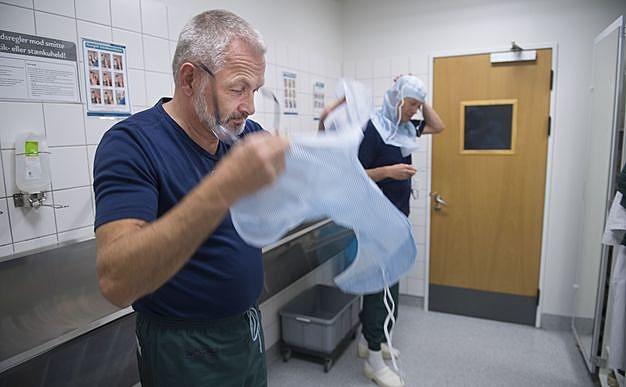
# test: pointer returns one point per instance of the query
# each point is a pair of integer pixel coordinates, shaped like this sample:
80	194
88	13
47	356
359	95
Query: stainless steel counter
50	297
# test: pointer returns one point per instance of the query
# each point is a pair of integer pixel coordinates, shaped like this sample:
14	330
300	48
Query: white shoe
363	351
384	377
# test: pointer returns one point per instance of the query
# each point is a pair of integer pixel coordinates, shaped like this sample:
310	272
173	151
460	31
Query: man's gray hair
207	37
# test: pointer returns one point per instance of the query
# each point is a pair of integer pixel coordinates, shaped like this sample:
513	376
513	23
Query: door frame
549	164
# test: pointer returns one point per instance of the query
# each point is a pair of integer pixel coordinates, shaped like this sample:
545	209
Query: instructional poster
106	76
289	84
318	98
35	68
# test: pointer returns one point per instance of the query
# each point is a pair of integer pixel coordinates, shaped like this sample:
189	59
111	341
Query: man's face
409	108
234	86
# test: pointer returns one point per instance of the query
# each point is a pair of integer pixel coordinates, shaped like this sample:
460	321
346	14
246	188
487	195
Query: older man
164	180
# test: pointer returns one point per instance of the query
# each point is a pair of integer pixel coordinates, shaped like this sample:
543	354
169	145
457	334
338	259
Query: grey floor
446	350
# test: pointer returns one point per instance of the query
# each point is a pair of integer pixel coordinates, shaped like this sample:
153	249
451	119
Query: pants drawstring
255	326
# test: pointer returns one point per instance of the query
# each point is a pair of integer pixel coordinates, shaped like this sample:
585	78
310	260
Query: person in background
389	164
164	180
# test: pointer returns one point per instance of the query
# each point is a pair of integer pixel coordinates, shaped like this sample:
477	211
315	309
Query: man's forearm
432	119
377	174
138	263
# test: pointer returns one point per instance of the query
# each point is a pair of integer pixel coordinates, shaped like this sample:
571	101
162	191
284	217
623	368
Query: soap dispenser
32	170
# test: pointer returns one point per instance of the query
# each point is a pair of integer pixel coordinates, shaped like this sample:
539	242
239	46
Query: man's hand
400	171
252	164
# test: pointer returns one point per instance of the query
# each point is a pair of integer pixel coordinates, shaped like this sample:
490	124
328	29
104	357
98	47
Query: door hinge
549	125
538	294
551	79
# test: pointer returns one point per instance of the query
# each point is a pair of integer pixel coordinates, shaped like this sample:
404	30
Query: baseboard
555	322
406	299
483	304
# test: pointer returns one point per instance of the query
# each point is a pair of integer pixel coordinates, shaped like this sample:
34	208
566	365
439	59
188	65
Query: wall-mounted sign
106	79
36	68
290	105
319	94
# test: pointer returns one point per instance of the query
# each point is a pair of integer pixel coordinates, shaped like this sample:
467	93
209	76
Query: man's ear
186	75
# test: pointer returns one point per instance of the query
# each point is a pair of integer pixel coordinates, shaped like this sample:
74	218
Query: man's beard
207	119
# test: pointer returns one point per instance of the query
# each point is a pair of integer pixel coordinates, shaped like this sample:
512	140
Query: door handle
439	201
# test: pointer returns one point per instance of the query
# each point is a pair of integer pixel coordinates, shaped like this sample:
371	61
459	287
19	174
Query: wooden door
489	168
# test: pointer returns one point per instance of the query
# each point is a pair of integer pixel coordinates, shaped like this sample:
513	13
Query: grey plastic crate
319	318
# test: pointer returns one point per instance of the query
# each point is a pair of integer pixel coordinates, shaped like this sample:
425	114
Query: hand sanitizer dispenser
32	163
32	169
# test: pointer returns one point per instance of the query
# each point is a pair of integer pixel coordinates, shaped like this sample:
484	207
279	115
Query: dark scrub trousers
173	352
198	328
374	153
373	317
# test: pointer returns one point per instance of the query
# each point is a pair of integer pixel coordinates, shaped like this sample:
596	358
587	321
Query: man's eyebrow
244	80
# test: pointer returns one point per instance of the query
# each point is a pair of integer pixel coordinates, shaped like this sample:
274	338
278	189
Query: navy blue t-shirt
374	153
144	166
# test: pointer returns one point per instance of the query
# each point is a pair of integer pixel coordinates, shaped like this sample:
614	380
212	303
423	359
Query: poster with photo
289	95
319	94
106	73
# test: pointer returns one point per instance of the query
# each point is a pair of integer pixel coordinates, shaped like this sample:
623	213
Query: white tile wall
64	124
17	19
417	271
149	30
304	60
60	7
6	250
418	64
381	85
31	223
91	154
134	47
54	26
79	212
21	3
154	18
78	234
95	127
137	87
35	243
382	67
420	159
126	14
399	65
92	31
19	117
97	11
364	69
415	287
349	69
69	168
176	19
2	188
156	54
8	165
281	54
292	57
5	228
157	85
